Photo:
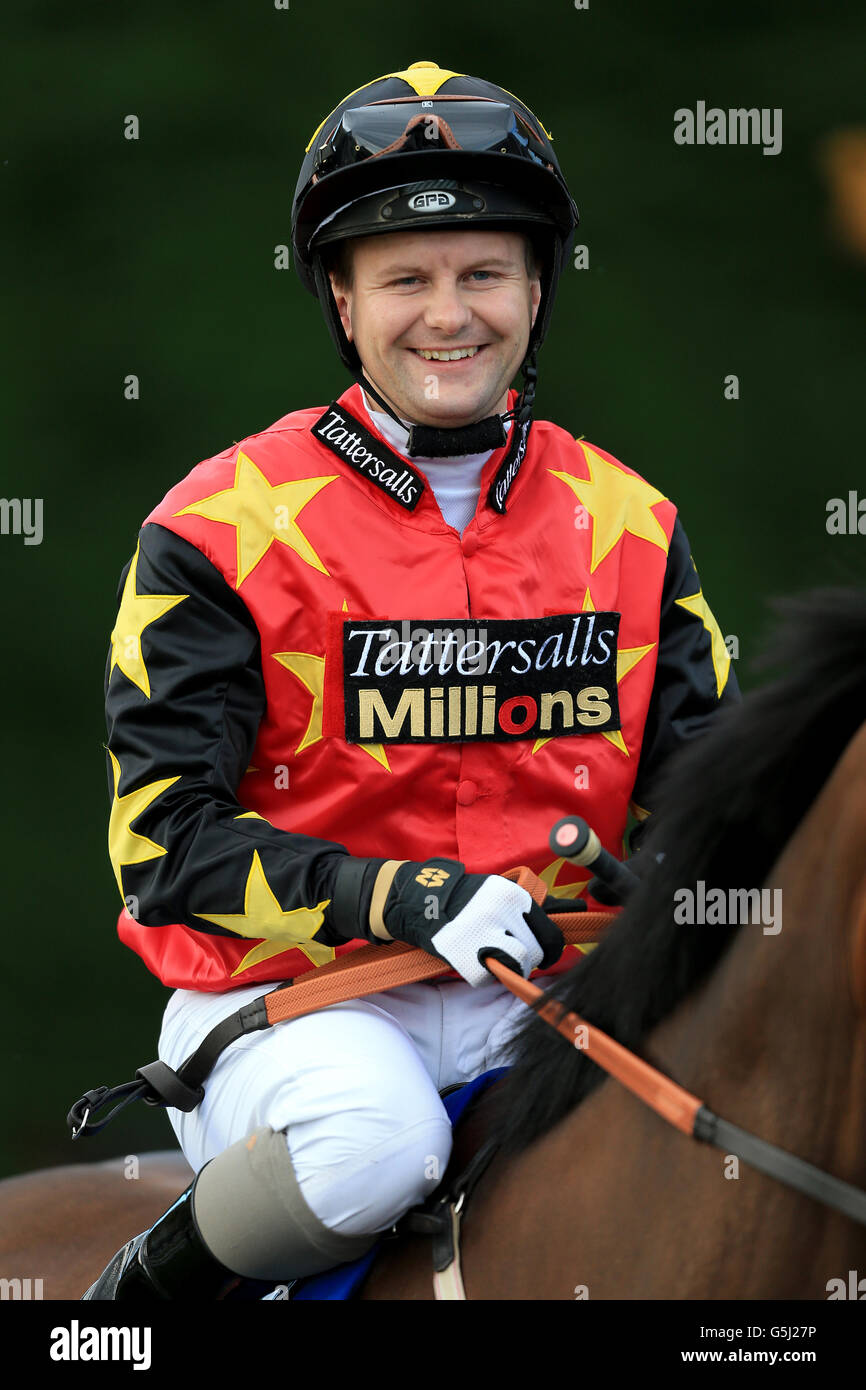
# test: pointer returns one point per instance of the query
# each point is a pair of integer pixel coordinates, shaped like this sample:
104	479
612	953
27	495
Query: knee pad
254	1218
369	1190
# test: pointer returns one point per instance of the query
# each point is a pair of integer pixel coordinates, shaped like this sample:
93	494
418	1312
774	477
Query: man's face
415	293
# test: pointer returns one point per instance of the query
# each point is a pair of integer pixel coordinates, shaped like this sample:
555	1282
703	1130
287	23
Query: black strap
778	1163
157	1084
435	1219
78	1118
195	1070
554	904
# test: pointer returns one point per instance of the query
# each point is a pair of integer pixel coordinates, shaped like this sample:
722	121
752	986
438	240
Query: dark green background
156	257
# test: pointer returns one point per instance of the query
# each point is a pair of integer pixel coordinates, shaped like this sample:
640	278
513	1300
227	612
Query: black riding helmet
432	148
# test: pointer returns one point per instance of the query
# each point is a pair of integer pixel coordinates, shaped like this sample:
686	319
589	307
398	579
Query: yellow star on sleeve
137	611
310	671
262	514
124	845
697	604
617	502
263	917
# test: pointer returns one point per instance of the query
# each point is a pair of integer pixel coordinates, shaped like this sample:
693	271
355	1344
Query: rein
674	1104
685	1111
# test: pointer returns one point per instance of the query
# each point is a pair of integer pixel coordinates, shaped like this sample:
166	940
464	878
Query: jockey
363	661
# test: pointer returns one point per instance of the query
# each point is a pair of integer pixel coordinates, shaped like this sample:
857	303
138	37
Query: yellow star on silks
310	671
697	604
550	875
263	917
261	514
136	612
617	502
626	660
566	890
124	845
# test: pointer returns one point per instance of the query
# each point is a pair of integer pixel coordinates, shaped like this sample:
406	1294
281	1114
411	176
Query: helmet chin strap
434	441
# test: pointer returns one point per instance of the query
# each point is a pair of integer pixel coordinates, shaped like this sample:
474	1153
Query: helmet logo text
431	202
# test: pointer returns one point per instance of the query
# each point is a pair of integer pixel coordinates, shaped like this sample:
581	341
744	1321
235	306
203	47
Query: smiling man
363	661
462	300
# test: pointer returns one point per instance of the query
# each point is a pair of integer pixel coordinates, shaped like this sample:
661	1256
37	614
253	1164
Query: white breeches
354	1086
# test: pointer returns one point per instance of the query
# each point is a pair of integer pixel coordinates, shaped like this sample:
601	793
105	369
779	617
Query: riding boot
170	1261
241	1228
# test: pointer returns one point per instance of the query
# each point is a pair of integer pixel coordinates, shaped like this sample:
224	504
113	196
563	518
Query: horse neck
774	1040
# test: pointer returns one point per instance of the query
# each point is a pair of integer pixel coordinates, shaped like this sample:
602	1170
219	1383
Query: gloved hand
460	917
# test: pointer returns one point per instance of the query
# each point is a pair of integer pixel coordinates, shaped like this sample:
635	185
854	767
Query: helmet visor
409	125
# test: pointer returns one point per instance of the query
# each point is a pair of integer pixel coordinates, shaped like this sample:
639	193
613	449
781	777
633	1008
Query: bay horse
592	1194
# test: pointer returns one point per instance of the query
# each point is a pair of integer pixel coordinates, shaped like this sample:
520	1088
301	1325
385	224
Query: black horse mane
729	803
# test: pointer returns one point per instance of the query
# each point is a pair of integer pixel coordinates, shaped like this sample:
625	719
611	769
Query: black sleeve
184	698
692	666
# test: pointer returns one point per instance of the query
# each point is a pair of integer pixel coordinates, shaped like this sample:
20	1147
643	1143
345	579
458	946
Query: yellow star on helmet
124	845
697	604
136	612
263	917
262	514
424	77
617	502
